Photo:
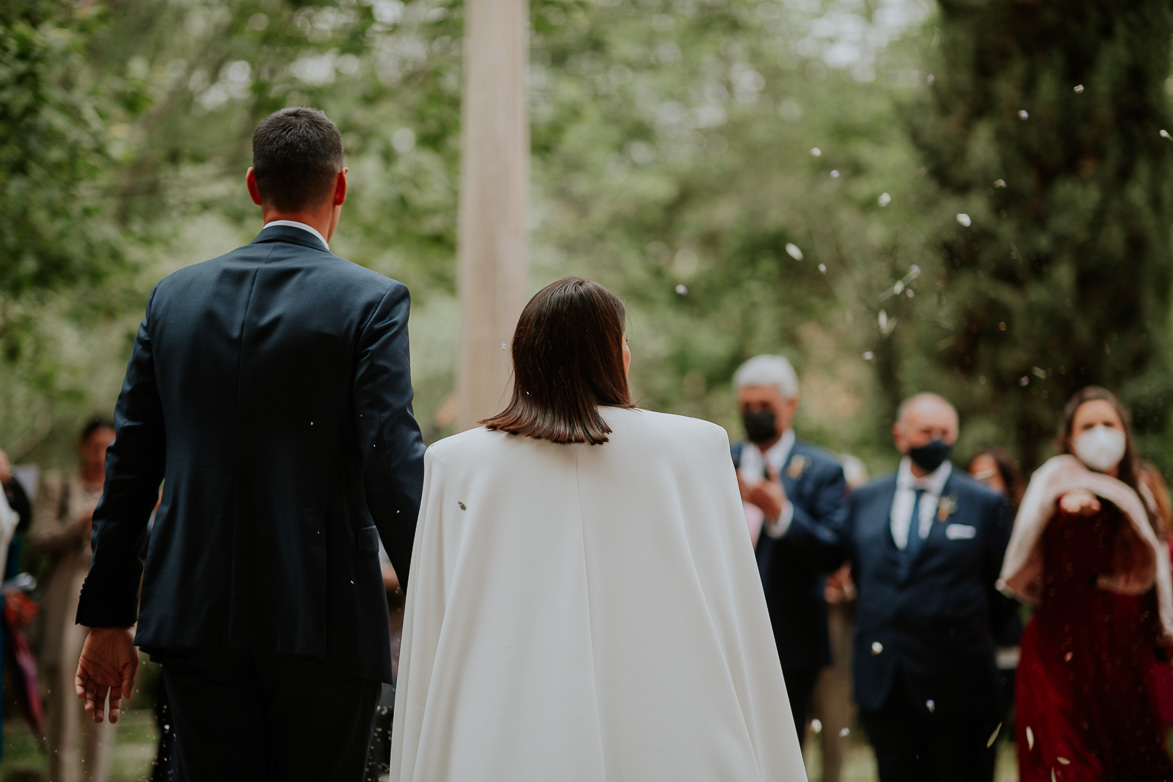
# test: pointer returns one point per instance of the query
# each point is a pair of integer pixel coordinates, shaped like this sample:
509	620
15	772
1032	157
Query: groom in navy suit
926	547
269	390
799	492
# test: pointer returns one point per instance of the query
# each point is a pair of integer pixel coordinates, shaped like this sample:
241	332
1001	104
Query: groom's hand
106	670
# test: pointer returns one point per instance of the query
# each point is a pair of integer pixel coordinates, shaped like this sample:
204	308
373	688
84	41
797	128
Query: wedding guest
77	748
925	545
1086	550
14	518
584	603
796	493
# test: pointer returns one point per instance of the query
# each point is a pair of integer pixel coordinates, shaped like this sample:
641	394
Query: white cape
585	613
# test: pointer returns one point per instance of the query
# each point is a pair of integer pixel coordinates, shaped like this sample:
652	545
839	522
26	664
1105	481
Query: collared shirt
753	469
302	226
906	486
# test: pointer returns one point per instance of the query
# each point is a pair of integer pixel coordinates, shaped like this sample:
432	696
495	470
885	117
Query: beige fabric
1142	560
586	613
78	749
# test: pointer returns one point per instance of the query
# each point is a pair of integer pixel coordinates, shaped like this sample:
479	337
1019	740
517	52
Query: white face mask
1100	448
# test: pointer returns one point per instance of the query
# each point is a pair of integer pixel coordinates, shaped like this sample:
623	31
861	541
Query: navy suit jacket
936	620
793	567
271	389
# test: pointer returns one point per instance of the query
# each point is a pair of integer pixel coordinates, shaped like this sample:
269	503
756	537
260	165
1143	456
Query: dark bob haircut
297	154
567	362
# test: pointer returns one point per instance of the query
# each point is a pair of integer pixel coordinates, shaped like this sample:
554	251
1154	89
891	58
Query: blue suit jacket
935	621
793	566
271	388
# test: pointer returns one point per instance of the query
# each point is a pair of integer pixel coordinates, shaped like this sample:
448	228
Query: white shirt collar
933	483
303	226
754	460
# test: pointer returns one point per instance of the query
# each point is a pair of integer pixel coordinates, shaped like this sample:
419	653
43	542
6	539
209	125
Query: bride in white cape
584	602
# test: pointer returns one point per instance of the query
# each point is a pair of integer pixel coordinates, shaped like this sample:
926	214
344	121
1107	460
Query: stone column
494	191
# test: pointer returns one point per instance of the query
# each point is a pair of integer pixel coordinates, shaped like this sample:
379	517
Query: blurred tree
1043	134
54	156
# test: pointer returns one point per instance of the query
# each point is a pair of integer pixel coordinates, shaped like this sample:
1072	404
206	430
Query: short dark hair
297	154
93	425
567	362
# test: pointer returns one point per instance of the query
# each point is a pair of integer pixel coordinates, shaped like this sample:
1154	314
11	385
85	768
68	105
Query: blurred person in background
925	545
796	492
999	471
15	518
61	533
832	707
1088	552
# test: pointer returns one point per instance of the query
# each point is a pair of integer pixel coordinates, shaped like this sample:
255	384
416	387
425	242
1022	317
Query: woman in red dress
1086	549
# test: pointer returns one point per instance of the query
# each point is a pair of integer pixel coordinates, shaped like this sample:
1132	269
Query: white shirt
302	226
753	468
906	486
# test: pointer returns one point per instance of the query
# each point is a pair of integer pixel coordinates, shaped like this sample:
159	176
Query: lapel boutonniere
797	467
946	507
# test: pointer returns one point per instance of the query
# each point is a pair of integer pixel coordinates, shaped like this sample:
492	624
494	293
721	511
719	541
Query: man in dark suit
798	494
926	546
270	388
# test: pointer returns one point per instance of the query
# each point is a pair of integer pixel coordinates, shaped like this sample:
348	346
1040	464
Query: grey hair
768	371
924	396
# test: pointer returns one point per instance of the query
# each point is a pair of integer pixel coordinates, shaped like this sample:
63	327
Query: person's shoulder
967	486
875	487
819	458
668	426
470	444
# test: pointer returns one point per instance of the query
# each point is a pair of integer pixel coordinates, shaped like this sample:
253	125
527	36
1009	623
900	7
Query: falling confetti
462	505
868	356
898	288
816	152
1030	738
793	251
931	705
1067	657
502	345
1024	381
1165	134
823	268
877	647
682	289
816	726
845	732
994	736
884	199
1078	88
1063	761
1022	115
964	220
834	173
931	79
999	183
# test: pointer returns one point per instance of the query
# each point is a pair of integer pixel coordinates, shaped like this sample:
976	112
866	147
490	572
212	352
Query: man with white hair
795	494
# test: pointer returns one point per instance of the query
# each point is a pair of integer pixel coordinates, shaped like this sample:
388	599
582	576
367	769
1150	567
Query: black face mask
930	456
761	426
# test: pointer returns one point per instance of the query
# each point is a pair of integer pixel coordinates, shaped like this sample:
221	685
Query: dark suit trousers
912	745
239	715
800	688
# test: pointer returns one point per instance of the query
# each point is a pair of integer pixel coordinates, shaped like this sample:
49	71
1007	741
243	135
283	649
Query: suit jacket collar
289	235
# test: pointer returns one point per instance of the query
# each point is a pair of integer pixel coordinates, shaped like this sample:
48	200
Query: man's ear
250	179
340	188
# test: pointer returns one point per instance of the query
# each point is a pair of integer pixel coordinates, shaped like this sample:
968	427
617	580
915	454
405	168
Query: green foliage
1043	129
53	154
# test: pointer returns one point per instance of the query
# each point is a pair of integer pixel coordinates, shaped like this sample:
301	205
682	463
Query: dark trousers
800	688
239	715
913	744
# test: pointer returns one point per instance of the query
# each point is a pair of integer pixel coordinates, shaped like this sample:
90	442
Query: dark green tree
1044	134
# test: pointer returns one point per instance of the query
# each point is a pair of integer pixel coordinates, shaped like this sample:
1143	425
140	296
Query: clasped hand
106	670
767	494
1080	503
